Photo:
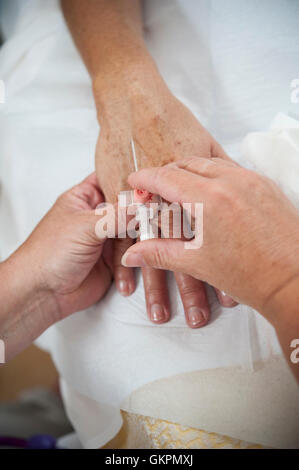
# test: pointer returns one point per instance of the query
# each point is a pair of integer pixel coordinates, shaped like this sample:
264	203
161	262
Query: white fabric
280	147
231	63
259	408
226	398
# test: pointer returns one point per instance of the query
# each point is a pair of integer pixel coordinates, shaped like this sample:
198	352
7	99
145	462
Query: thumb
157	253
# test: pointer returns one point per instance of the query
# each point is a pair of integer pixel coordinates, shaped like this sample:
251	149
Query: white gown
232	64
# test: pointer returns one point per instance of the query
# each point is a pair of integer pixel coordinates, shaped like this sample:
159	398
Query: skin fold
133	101
256	262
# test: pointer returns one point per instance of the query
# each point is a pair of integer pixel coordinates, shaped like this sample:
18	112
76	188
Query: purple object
7	441
38	441
41	441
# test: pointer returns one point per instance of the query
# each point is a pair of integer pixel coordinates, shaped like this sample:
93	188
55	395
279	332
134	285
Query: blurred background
30	402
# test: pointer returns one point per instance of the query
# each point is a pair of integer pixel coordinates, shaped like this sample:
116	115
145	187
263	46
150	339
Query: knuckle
153	292
160	258
189	161
187	291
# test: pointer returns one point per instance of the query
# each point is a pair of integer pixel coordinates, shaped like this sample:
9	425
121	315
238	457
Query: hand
164	130
59	270
250	238
251	230
66	253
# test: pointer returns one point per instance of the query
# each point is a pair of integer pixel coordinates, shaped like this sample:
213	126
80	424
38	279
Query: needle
140	196
134	155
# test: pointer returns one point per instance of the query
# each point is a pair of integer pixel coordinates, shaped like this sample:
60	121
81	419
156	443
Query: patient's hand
164	130
132	100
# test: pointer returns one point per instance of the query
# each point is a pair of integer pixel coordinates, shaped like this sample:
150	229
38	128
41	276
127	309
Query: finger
85	224
194	299
115	221
227	163
92	289
170	182
88	192
156	295
91	179
123	276
207	167
163	254
225	300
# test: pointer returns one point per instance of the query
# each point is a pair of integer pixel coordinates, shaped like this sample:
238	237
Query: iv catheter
146	203
139	194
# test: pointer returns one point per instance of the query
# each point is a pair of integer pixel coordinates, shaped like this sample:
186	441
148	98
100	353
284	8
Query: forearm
27	309
283	313
109	36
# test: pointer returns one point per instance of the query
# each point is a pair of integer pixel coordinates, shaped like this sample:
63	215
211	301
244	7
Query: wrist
282	312
138	78
276	276
43	302
282	307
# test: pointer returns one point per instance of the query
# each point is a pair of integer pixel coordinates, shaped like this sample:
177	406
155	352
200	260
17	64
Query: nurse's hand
250	229
164	130
250	235
57	271
66	249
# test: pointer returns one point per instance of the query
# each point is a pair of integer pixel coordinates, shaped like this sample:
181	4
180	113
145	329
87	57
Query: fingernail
226	300
133	260
157	313
123	287
195	316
